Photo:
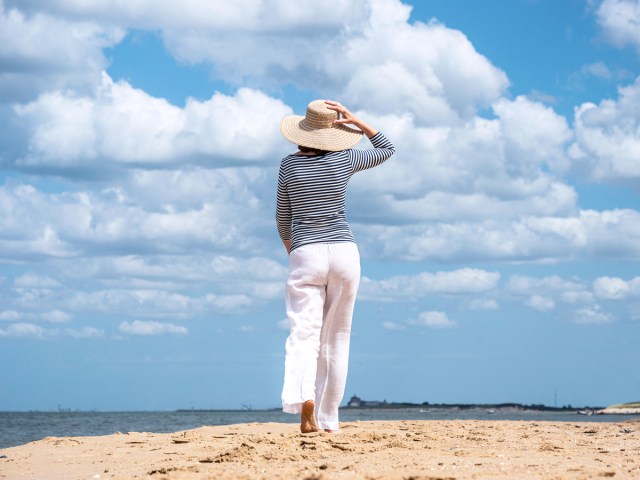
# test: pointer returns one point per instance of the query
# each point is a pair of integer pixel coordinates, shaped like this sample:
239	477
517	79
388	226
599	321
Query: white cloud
544	293
605	234
464	280
533	135
23	330
442	80
550	285
367	51
614	288
152	302
32	280
178	221
10	316
53	316
607	145
145	328
34	223
125	125
40	52
393	326
620	20
56	316
592	316
483	304
610	288
433	320
247	16
85	332
541	303
225	302
476	169
597	69
582	297
279	41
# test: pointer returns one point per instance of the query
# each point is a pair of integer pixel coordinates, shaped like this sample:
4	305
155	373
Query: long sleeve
372	157
283	208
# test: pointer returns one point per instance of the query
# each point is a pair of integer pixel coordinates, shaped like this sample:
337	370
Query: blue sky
140	267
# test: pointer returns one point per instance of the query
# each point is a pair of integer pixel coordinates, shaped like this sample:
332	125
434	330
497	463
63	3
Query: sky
140	265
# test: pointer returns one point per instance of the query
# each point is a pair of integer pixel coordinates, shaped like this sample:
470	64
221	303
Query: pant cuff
328	425
294	408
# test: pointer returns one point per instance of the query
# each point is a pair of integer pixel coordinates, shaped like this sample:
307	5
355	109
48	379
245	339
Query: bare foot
308	418
326	430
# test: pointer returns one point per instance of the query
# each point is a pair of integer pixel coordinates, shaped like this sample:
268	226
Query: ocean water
18	428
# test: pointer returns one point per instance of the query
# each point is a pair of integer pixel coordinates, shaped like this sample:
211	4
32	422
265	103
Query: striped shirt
312	190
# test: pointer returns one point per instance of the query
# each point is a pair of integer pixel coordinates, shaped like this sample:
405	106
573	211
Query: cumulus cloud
433	319
607	145
464	280
34	223
125	125
153	302
534	135
541	303
614	288
178	221
593	315
41	52
281	42
22	330
32	280
52	316
243	15
56	316
150	328
544	293
25	330
605	234
442	80
10	316
85	332
478	169
620	21
528	285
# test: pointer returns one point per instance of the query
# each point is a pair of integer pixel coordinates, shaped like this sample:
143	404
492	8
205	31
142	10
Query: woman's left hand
346	117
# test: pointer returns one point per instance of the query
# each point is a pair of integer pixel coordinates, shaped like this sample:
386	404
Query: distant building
357	402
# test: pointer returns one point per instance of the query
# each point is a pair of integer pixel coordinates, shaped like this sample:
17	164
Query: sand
417	450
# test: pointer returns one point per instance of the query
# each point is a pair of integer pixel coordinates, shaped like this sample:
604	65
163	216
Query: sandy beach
417	450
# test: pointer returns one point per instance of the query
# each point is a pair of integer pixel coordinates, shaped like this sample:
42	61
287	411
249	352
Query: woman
324	263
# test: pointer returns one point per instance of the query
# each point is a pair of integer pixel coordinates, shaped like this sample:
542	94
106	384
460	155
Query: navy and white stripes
312	189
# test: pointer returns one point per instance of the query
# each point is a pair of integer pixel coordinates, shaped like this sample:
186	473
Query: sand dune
417	450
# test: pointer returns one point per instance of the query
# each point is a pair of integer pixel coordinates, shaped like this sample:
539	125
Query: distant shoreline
438	407
618	409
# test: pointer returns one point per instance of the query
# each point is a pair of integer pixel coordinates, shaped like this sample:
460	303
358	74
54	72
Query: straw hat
316	129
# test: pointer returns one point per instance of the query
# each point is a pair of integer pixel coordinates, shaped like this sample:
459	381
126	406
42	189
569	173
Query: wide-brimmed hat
316	129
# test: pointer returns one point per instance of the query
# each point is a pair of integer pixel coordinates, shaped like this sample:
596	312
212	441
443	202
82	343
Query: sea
19	428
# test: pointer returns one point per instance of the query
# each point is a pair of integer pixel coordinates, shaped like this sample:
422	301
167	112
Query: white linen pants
320	296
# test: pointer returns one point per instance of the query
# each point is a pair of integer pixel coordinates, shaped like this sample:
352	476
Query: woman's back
312	192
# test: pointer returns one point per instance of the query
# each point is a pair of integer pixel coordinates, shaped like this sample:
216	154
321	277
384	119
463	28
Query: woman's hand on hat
346	117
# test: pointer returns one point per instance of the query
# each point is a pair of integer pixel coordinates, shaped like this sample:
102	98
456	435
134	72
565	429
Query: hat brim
333	139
